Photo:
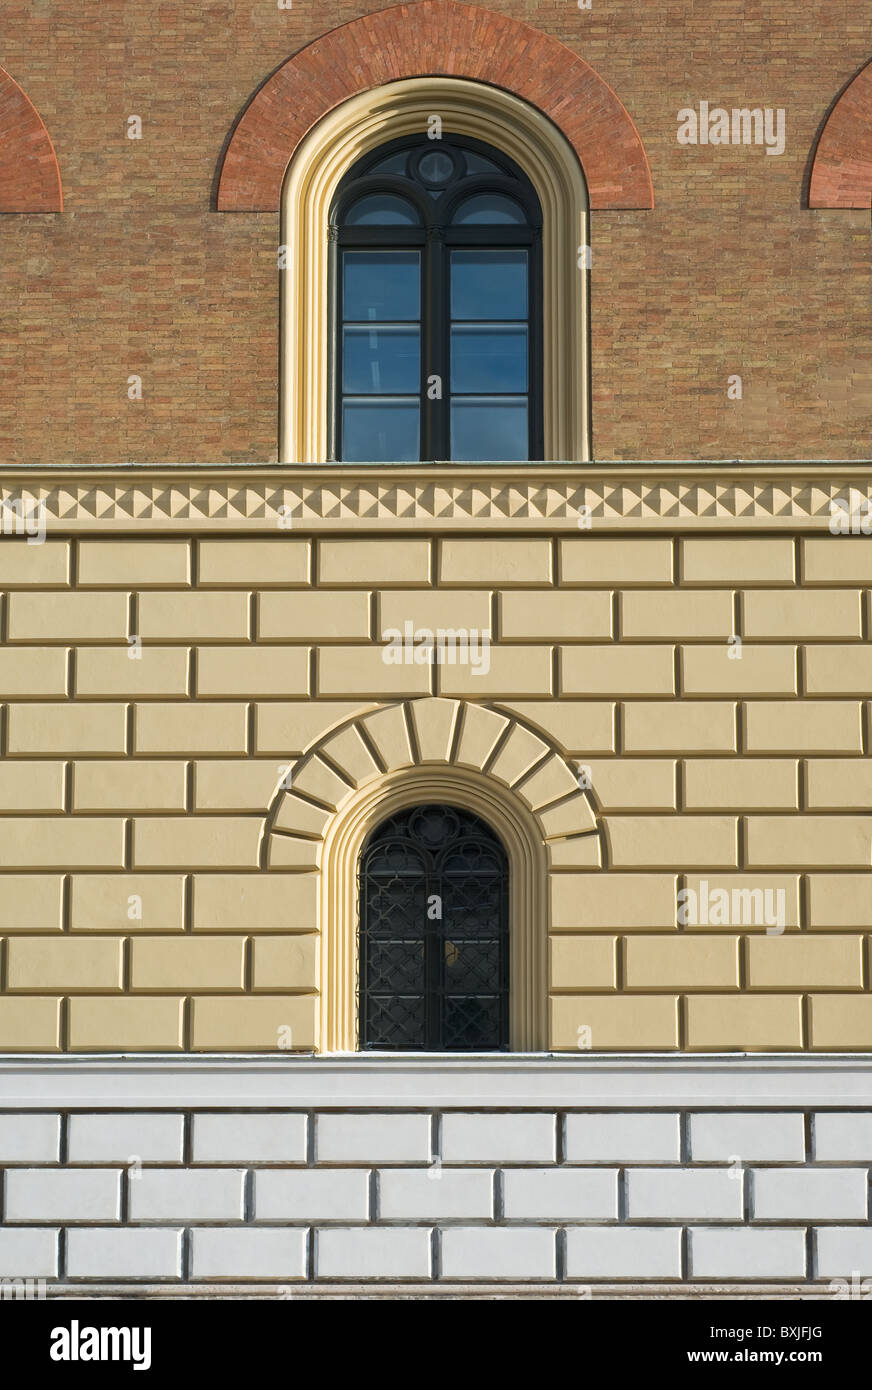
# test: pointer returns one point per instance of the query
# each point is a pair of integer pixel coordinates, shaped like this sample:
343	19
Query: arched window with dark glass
434	947
436	292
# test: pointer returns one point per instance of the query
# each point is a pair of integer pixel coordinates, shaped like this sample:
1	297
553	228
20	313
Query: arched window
436	288
434	949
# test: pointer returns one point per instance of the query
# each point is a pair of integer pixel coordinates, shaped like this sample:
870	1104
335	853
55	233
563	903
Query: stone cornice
666	496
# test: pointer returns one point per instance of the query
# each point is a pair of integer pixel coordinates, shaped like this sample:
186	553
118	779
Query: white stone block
28	1252
560	1194
248	1252
722	1252
367	1138
843	1136
498	1139
62	1194
374	1252
29	1138
312	1194
106	1138
809	1194
623	1252
622	1137
189	1194
248	1139
499	1252
683	1194
755	1137
845	1252
428	1194
144	1253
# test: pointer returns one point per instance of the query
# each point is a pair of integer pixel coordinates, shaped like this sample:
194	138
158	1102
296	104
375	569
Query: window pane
379	285
380	431
488	284
381	359
382	210
488	357
491	209
489	428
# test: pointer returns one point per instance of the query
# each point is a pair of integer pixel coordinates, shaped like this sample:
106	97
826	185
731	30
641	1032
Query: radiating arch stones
30	179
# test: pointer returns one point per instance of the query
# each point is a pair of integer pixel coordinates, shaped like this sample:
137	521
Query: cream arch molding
332	147
410	751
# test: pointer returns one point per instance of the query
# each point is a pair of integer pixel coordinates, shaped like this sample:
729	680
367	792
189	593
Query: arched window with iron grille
434	947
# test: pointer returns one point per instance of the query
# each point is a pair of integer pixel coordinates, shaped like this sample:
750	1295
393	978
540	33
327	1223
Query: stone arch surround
435	38
30	179
408	751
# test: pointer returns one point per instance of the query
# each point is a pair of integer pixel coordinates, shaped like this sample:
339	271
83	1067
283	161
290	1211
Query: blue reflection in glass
379	285
488	284
382	210
384	359
489	428
380	431
488	357
489	209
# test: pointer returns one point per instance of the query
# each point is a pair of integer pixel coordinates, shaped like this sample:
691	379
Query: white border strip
483	1081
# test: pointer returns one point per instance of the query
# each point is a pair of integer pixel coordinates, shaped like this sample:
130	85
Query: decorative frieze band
519	497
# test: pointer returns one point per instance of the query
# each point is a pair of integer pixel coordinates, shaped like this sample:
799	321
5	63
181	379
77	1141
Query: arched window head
434	948
437	306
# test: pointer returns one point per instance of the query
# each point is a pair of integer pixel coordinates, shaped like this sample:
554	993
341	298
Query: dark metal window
436	292
434	948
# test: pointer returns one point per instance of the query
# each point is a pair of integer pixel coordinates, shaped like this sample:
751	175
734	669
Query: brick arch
425	39
30	179
841	175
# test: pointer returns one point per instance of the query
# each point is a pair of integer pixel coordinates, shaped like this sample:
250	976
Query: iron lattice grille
434	949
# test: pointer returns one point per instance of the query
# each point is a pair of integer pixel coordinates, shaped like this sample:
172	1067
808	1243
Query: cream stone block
576	852
681	962
238	784
370	671
261	1023
805	962
572	817
29	671
31	902
291	728
36	786
737	560
195	842
740	784
612	902
555	615
67	617
803	613
836	560
290	852
255	902
252	671
134	564
30	566
510	671
501	561
836	901
350	754
520	752
549	782
278	561
42	963
159	671
308	617
677	614
633	784
286	962
452	610
583	962
618	670
162	963
840	1022
300	817
750	901
834	669
683	842
191	728
803	726
580	727
809	842
696	726
389	734
128	902
30	1025
743	1023
316	779
604	1023
396	561
59	842
839	784
433	722
719	670
129	786
67	728
480	731
194	617
128	1024
610	560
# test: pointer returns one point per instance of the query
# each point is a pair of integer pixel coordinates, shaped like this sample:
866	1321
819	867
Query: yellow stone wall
149	779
